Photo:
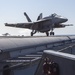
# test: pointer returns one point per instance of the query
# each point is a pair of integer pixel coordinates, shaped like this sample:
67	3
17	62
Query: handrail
66	48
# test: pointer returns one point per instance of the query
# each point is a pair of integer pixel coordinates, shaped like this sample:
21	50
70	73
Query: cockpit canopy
55	15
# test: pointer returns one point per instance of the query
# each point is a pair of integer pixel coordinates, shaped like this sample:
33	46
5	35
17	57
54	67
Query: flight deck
25	55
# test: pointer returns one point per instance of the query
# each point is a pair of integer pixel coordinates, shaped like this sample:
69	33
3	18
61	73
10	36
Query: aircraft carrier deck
25	55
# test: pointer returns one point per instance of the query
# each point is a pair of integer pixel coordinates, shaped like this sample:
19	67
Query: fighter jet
43	25
6	34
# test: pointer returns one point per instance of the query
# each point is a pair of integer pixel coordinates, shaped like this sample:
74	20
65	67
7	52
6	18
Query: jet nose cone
66	19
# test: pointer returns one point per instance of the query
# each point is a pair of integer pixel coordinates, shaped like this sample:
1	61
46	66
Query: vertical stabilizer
29	20
39	17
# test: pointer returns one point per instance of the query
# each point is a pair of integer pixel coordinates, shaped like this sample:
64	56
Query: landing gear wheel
31	33
51	33
47	33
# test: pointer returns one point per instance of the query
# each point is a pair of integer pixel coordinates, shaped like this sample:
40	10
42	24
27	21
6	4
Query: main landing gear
33	32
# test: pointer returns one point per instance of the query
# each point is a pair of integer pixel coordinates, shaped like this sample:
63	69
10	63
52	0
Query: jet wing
29	25
20	25
62	25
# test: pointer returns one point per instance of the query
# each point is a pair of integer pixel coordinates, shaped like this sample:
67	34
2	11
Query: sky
12	11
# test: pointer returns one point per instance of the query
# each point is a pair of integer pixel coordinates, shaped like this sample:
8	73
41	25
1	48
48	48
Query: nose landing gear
51	33
47	33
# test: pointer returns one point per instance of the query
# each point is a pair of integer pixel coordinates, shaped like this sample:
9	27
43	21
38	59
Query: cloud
25	32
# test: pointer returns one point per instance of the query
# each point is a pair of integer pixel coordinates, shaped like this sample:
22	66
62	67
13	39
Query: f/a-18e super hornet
43	25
